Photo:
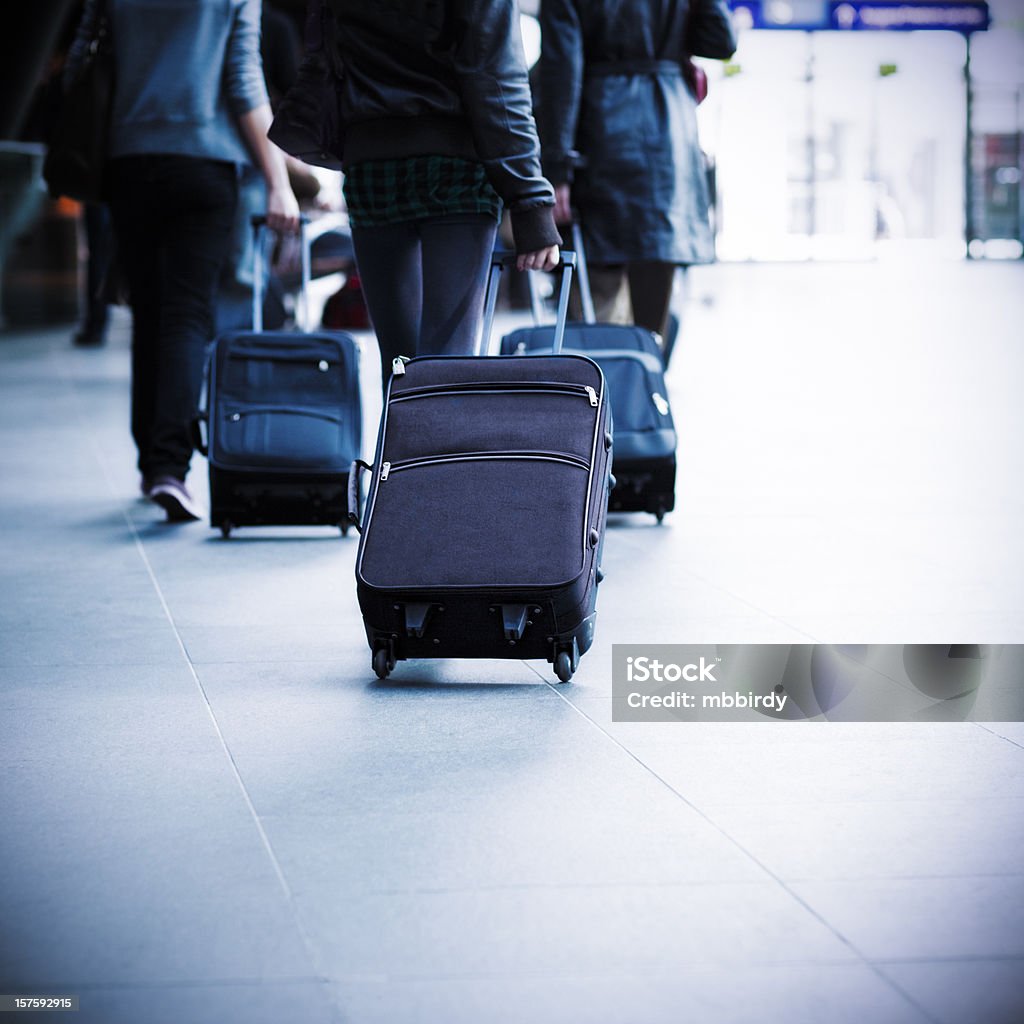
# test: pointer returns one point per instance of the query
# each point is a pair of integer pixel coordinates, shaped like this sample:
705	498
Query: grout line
213	717
992	732
750	856
268	848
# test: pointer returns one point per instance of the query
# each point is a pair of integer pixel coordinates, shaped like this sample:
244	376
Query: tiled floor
212	811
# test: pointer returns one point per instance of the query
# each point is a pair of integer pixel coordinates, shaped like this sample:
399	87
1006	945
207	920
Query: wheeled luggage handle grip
259	225
355	475
500	260
566	257
259	220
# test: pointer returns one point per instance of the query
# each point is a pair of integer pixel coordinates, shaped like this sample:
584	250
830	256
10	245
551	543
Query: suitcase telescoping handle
501	260
582	276
259	226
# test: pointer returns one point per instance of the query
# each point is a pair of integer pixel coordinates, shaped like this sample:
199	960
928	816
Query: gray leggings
424	284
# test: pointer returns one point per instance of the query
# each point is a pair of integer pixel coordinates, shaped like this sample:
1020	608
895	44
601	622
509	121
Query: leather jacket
447	77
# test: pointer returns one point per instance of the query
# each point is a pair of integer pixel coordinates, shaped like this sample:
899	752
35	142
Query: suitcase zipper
263	410
525	387
387	468
291	359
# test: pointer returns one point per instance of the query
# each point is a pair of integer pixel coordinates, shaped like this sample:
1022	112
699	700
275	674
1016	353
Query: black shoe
173	497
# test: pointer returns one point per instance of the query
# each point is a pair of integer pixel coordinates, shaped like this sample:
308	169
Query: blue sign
963	16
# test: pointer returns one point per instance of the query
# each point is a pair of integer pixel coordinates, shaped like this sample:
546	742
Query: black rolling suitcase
631	359
284	421
486	508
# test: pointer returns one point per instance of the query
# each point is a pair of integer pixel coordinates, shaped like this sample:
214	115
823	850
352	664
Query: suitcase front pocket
283	437
303	378
425	422
472	521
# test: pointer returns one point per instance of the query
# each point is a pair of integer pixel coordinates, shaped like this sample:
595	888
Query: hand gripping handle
501	260
259	225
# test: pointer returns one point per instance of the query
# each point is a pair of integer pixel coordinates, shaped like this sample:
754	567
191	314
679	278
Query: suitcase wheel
383	662
660	514
563	666
226	528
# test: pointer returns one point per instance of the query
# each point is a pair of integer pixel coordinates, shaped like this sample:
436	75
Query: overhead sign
963	16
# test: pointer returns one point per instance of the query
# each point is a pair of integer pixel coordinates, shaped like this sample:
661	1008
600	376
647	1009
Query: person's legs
424	284
389	262
136	218
650	289
456	260
99	241
610	294
677	306
200	198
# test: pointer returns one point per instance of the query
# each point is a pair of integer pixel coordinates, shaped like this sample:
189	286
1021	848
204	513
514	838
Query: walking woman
619	132
439	135
190	108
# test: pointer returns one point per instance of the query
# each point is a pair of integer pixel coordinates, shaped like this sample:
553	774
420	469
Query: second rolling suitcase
284	422
486	509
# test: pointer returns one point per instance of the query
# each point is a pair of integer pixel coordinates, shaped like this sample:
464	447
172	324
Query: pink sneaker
173	497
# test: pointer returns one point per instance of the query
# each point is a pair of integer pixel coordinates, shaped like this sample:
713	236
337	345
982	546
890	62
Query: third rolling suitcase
486	509
631	359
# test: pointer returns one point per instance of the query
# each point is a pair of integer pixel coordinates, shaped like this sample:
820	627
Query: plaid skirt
417	188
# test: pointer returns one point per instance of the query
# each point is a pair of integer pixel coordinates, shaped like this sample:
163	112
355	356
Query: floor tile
960	991
148	901
567	835
906	839
925	918
516	931
735	995
227	1002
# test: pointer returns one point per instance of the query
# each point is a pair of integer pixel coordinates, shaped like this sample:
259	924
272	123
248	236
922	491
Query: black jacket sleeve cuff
534	228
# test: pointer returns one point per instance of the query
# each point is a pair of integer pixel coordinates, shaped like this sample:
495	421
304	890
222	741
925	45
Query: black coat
445	77
618	120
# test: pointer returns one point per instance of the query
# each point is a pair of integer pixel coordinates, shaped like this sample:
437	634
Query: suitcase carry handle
500	260
259	225
355	475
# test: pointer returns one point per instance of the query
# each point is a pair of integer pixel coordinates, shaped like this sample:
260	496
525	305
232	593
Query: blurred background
839	132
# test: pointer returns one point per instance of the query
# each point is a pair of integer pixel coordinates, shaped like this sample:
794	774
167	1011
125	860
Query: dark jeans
172	217
424	284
